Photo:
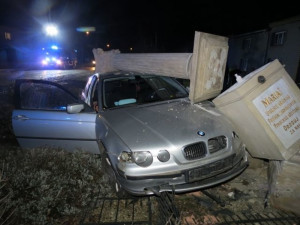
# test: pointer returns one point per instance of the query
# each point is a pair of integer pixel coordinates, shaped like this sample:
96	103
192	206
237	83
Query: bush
51	186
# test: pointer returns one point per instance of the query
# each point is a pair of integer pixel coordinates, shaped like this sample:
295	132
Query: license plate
210	170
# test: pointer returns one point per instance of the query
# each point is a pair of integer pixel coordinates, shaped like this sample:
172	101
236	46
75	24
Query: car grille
195	151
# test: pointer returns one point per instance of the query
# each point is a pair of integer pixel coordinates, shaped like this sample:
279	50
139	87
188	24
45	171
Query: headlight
58	62
163	155
217	143
125	157
143	159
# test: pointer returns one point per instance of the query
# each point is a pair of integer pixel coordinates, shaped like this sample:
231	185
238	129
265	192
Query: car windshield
140	89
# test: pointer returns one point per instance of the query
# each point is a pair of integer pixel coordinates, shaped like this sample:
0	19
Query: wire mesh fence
162	210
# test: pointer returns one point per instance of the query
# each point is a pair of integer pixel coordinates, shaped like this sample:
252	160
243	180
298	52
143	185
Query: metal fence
135	210
116	211
162	210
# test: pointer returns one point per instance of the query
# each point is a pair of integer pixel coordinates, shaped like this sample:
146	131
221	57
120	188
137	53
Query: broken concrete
265	112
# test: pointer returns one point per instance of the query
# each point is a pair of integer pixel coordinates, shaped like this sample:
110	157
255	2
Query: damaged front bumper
188	180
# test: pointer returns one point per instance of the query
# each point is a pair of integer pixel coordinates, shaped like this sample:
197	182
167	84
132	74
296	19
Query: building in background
284	44
8	53
250	51
16	47
247	51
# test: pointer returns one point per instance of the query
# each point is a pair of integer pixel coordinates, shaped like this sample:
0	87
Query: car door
41	118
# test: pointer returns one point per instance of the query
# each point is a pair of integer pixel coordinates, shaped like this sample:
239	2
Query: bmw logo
201	133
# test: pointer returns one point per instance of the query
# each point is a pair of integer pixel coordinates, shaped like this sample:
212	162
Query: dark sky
165	25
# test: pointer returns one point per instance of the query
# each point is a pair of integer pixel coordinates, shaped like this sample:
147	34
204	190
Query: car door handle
21	117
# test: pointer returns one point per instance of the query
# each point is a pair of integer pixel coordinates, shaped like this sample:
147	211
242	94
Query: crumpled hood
170	124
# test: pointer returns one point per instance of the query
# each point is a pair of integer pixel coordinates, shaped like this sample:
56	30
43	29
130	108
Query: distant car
150	137
58	62
57	58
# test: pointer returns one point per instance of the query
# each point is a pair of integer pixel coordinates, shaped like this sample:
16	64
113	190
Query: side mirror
75	108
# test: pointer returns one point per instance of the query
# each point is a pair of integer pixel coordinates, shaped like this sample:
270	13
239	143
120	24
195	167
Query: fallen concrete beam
205	67
167	64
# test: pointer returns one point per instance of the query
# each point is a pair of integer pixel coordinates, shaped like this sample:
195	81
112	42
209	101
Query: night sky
148	25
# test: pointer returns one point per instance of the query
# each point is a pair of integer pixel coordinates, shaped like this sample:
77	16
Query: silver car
150	137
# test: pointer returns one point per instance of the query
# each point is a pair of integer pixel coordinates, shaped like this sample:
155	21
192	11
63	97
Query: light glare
54	47
51	30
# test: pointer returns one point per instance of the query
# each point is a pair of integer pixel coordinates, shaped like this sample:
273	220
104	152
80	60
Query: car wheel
112	180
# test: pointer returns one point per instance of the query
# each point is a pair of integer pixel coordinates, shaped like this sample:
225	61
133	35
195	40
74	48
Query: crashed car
147	131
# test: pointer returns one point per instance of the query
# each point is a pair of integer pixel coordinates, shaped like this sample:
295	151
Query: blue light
62	108
86	29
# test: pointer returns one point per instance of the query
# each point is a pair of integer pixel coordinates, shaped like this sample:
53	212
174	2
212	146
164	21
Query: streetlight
51	30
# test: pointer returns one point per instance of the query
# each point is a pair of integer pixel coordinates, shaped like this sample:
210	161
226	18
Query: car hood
168	125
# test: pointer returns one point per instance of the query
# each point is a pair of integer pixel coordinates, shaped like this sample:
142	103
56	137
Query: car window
44	96
140	89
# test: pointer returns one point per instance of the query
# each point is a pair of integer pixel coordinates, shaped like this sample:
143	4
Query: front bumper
186	181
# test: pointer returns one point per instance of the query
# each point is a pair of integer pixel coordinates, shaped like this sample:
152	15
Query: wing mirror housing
75	108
